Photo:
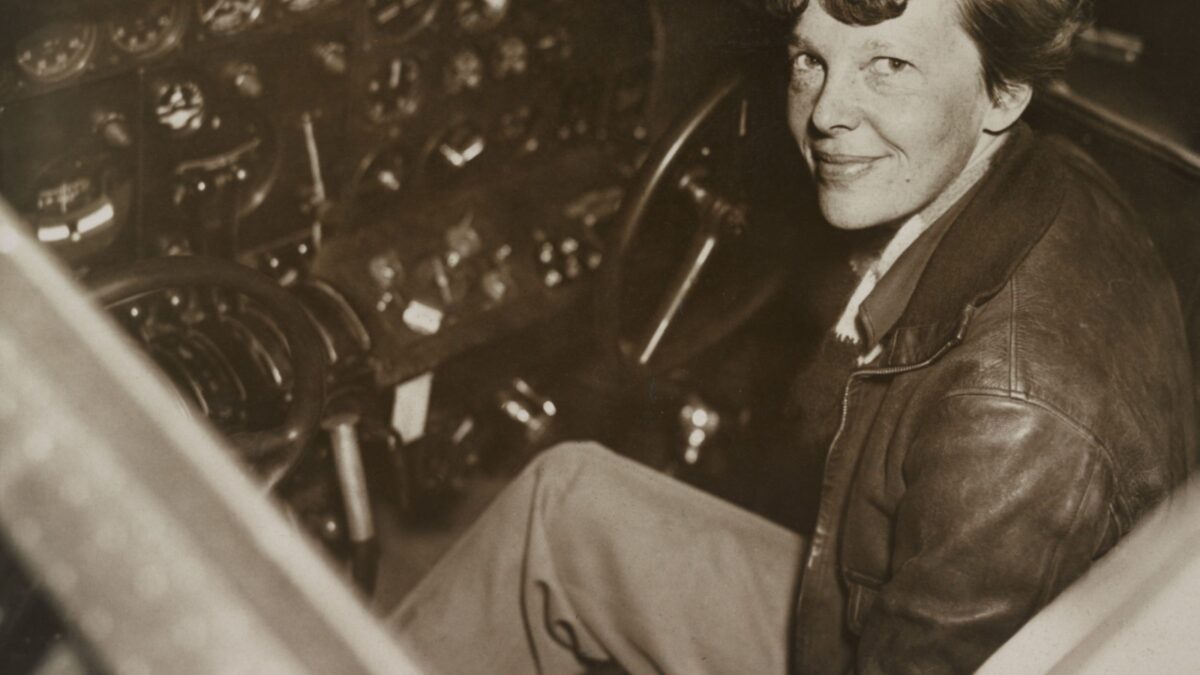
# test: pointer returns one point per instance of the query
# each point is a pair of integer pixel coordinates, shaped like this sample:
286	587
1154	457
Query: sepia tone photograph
592	337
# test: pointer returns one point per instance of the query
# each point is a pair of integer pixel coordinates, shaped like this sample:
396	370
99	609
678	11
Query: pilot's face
886	115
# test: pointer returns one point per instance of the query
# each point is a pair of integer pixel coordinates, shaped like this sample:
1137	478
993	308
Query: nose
837	107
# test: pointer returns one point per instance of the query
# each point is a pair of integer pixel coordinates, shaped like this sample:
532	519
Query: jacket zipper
876	372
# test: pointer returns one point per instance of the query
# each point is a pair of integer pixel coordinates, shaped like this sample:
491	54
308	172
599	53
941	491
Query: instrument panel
444	161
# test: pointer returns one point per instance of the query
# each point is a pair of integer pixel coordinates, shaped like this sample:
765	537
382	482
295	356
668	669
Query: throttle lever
347	456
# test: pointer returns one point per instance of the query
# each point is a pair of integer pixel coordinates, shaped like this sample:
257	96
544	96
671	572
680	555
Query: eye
887	65
804	63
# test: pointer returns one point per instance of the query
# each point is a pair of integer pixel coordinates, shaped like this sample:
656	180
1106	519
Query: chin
855	214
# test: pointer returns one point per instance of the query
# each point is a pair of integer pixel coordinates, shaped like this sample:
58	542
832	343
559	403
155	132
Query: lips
841	167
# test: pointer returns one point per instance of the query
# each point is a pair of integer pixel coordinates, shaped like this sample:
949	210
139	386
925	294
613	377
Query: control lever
719	218
343	435
320	199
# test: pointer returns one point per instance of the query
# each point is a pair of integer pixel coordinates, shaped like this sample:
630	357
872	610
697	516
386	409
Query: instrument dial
179	106
77	204
149	29
57	52
477	16
402	17
226	17
394	92
66	195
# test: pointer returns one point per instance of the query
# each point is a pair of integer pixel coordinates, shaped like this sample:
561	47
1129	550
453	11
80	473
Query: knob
112	127
462	146
332	57
465	72
244	78
496	285
386	271
699	423
463	240
511	57
528	414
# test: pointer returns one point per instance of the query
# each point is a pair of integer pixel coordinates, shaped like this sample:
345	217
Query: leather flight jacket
1032	402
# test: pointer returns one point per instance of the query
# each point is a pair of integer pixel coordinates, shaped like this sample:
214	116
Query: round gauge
179	105
395	90
77	204
464	72
476	16
57	52
225	17
65	195
150	29
402	17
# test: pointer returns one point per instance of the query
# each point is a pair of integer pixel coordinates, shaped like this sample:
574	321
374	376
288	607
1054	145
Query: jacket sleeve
1006	503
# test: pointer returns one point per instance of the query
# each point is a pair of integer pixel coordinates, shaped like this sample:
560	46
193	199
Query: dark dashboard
260	129
442	188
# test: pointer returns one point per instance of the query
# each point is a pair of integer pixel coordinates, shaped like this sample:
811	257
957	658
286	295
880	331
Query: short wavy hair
1019	41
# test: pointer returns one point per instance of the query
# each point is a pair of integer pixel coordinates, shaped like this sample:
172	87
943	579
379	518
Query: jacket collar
1009	213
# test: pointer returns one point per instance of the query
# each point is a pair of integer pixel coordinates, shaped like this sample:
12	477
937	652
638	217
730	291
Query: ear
1006	107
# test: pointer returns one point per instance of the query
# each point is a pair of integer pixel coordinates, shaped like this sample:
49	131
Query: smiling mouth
835	168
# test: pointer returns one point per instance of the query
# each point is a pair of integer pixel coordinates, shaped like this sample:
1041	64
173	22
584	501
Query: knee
562	466
564	481
568	458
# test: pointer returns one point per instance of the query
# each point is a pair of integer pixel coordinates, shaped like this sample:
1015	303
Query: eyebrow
797	42
881	46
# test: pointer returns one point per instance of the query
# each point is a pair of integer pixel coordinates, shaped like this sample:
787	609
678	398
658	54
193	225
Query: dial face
77	199
151	29
403	17
57	52
179	105
477	16
225	17
395	90
64	195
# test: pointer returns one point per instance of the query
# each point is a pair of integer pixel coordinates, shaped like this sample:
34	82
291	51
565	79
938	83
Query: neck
978	165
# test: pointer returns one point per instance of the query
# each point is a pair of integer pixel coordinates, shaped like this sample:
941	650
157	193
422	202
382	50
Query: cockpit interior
390	250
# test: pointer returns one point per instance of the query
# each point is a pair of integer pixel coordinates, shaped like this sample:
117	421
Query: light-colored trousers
589	558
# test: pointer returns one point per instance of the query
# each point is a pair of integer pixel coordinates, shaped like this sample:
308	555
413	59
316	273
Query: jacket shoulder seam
1096	450
1013	337
1094	443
